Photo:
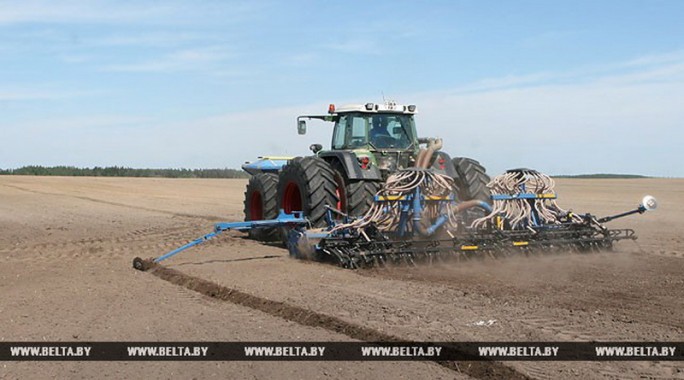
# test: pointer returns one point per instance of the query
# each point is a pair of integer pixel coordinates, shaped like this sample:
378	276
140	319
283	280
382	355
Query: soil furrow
305	317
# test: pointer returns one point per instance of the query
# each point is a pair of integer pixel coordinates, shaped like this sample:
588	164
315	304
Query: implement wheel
307	184
261	203
139	264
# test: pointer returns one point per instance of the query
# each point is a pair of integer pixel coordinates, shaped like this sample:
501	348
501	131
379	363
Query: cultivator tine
377	261
341	258
398	259
431	257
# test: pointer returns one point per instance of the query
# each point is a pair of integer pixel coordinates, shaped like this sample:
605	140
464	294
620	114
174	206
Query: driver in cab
379	135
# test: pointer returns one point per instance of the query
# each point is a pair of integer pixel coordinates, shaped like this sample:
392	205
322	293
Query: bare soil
67	244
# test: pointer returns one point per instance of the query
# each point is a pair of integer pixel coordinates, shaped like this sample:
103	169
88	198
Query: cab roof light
412	108
369	106
331	108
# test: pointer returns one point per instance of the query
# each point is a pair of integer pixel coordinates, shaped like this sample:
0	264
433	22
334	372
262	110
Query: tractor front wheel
261	204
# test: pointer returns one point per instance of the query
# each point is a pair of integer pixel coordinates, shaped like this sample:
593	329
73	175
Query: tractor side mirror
316	148
301	127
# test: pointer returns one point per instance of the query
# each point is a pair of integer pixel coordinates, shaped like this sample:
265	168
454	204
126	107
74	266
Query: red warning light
441	162
365	162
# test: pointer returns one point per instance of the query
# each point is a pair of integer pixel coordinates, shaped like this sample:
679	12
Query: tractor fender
449	168
351	166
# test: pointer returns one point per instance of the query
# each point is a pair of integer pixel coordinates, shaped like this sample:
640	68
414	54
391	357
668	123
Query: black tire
139	264
355	197
307	184
261	203
472	180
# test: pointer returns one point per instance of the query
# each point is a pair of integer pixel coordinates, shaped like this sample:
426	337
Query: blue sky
564	87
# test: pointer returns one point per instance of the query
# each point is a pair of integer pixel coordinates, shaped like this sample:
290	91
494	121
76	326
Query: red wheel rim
292	198
256	211
341	195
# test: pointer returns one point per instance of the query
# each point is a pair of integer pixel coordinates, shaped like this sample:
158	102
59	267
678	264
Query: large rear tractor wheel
261	203
355	197
307	184
472	180
472	183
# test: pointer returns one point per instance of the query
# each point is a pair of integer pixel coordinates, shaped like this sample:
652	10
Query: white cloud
34	94
510	81
197	59
118	12
41	11
302	59
365	45
671	72
657	59
550	38
149	39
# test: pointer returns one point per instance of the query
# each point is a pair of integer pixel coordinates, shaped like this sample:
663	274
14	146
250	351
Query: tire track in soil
305	317
146	242
211	218
561	329
138	235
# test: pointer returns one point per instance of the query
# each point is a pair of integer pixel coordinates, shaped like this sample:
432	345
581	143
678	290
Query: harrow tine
382	260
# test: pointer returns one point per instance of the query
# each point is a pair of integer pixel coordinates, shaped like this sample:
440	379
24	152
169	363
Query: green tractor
369	142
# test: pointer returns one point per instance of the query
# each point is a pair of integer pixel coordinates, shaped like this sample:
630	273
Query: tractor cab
382	138
374	131
372	127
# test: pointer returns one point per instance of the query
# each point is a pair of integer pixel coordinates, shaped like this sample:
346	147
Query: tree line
120	171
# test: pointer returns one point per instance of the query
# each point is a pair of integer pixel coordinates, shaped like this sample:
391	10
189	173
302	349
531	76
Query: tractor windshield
377	131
